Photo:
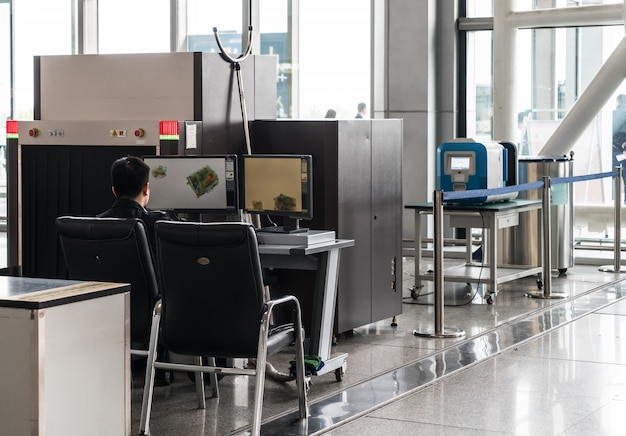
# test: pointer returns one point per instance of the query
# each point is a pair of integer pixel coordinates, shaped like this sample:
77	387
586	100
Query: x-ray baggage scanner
464	164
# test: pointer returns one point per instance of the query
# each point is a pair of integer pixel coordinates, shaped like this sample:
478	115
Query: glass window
5	113
334	57
479	8
274	24
40	27
547	4
479	95
329	66
204	15
46	32
134	26
5	68
483	8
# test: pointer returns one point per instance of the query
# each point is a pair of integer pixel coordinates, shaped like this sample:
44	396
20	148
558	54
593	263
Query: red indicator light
12	126
12	129
34	132
169	130
140	133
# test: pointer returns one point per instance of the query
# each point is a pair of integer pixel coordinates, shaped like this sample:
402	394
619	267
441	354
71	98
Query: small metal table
492	217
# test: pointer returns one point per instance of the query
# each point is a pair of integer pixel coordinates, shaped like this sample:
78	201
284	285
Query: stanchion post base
611	268
539	294
448	332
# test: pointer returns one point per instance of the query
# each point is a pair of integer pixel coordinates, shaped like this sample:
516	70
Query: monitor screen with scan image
280	185
204	184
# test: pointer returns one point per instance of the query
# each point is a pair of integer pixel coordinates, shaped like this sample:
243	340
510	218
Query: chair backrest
113	250
212	288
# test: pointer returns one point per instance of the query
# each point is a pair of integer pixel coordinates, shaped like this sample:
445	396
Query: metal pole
617	220
438	259
242	103
547	237
617	239
439	331
546	246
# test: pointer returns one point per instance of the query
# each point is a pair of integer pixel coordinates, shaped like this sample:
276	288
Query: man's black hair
128	176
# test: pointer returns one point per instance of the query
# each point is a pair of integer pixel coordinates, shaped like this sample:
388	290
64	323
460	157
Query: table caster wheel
340	372
490	299
539	283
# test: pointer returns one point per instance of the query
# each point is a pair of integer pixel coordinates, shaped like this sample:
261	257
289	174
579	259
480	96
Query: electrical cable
270	220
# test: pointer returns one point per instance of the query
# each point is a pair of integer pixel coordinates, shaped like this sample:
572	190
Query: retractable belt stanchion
617	237
439	331
547	246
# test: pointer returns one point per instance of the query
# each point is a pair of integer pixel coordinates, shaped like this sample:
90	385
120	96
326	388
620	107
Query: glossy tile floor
525	366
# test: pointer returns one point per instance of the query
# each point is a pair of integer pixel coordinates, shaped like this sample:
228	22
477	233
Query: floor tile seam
611	314
408	421
587	416
556	359
571	359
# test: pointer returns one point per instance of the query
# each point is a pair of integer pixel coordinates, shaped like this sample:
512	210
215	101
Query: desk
492	217
65	357
324	259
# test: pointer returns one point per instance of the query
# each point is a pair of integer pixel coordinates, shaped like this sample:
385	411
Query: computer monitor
203	184
280	185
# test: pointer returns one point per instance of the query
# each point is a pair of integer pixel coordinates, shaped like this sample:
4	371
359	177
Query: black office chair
213	304
114	250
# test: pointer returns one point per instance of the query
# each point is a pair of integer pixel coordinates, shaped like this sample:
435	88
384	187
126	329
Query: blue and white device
464	164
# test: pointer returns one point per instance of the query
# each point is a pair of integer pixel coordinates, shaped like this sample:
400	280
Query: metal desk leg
418	250
322	323
468	246
493	261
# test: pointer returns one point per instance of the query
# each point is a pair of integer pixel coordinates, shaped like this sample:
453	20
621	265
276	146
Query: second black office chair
213	304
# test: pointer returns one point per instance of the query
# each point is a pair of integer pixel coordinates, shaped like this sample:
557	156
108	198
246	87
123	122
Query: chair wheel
340	372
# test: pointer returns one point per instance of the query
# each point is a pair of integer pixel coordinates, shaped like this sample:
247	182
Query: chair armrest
297	329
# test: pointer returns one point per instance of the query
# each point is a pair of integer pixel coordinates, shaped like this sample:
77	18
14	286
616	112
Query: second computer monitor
280	185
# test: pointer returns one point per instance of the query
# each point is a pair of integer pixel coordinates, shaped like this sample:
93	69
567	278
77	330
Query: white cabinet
65	357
